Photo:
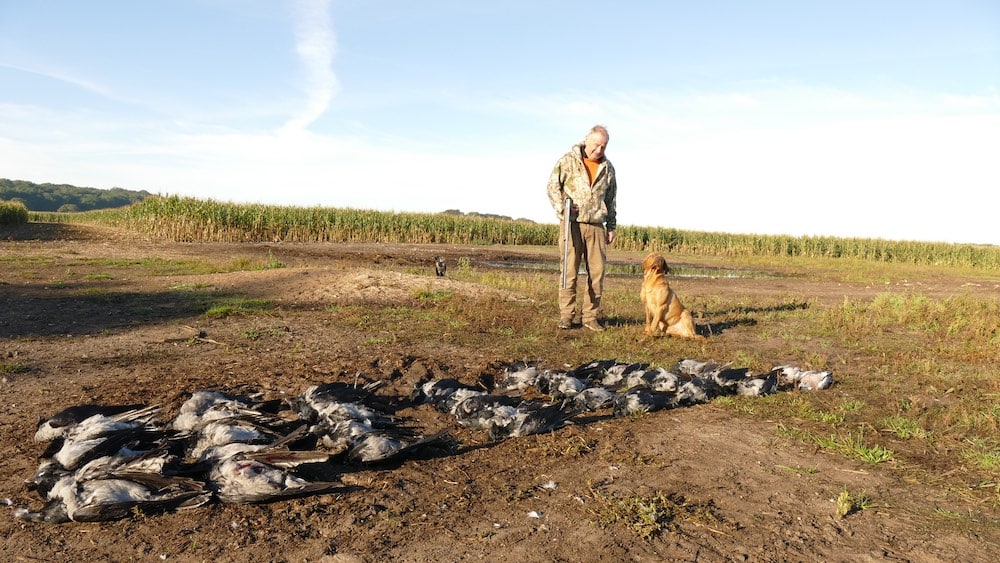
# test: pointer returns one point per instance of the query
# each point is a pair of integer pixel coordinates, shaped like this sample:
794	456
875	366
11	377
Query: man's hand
611	237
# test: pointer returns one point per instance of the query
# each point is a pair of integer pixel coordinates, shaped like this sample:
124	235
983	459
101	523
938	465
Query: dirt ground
537	498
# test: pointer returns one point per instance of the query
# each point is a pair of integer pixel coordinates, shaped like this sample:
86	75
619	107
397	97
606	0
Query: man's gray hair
599	129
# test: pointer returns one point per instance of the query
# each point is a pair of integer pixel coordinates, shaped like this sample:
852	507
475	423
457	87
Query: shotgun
566	240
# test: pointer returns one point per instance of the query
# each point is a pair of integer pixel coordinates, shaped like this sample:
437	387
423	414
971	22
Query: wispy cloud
62	76
315	43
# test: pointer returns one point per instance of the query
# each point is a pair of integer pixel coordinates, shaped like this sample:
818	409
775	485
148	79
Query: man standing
584	176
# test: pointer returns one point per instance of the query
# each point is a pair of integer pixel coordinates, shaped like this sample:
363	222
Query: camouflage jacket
596	202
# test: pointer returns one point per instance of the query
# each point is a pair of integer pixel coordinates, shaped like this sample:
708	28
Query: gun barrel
566	241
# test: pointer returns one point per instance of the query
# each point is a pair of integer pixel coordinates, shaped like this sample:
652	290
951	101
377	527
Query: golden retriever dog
664	312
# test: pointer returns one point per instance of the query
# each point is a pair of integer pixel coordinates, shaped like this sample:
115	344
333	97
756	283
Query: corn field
189	219
984	257
13	213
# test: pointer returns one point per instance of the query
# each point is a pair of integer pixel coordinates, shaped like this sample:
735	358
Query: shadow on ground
33	311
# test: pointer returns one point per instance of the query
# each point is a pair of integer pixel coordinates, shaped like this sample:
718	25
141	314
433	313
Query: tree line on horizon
458	213
65	198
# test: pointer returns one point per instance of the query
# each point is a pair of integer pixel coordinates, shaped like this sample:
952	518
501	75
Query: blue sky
846	118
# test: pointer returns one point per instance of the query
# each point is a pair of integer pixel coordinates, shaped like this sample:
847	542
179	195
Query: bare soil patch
81	337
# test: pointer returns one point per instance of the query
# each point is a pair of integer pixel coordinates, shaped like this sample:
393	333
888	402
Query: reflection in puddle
630	269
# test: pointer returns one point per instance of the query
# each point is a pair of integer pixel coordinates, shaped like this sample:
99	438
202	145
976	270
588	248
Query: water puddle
632	269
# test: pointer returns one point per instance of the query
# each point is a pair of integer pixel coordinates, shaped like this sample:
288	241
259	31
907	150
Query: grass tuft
903	427
647	517
13	368
238	306
651	515
848	503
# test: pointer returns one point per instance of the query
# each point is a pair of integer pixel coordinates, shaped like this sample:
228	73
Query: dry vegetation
189	219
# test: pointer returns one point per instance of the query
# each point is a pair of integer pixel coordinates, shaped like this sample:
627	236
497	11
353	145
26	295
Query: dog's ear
663	265
659	263
650	261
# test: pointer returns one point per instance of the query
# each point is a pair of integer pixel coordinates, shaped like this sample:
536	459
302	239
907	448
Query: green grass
648	516
903	427
574	446
231	306
983	453
853	445
258	333
13	368
190	286
433	295
247	264
848	503
849	445
851	406
960	324
152	266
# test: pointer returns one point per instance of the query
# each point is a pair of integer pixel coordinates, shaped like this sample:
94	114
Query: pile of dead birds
109	462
